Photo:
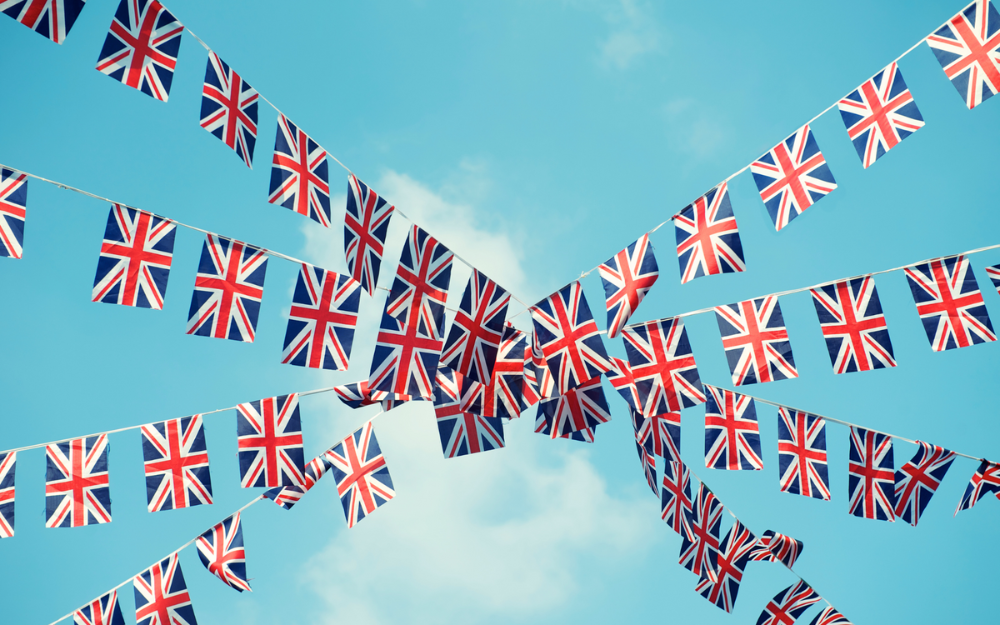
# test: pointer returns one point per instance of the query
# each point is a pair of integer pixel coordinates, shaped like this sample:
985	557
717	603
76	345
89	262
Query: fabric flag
623	380
529	385
365	226
918	480
792	177
176	464
462	433
985	481
568	338
269	437
229	108
503	395
538	378
879	114
363	480
731	562
675	497
732	437
288	496
134	264
700	548
221	551
661	435
357	395
466	393
583	408
474	339
227	290
405	361
775	547
8	467
13	209
627	277
141	48
76	482
648	462
850	315
993	272
830	616
299	178
708	241
101	611
755	339
968	49
871	475
788	605
321	323
663	365
420	290
48	18
161	596
802	454
543	426
949	303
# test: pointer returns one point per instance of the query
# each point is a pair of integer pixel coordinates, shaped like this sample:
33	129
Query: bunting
949	303
756	341
850	315
462	432
775	547
708	240
175	459
676	504
871	477
322	320
161	596
76	482
228	290
420	290
788	605
663	365
918	480
366	224
985	481
104	610
229	108
221	551
405	361
802	454
504	394
583	408
830	616
49	18
732	438
474	339
700	543
627	277
141	48
731	562
966	47
134	264
363	480
299	178
8	467
269	437
13	210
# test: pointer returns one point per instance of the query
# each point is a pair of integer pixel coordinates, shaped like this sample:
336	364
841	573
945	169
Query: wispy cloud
634	33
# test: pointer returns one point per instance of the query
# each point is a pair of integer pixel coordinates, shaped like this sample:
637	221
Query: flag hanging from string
663	366
476	331
966	47
730	563
269	438
76	482
161	596
708	240
175	459
229	108
228	290
49	18
321	322
627	277
134	264
363	480
850	316
104	610
918	480
802	454
13	210
299	178
221	551
949	303
755	339
788	605
8	467
732	437
141	47
775	547
366	224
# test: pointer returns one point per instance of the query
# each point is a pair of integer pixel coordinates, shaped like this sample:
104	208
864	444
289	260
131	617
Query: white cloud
634	33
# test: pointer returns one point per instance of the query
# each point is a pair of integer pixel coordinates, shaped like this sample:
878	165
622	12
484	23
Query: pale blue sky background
536	139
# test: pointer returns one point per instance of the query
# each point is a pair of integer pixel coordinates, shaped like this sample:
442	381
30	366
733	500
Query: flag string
847	423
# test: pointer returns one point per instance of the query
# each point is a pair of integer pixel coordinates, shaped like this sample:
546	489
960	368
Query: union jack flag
8	466
993	272
775	547
949	303
731	562
176	464
648	462
48	18
675	497
879	114
363	480
985	481
227	290
365	226
850	315
623	380
299	177
583	408
288	496
792	177
788	605
229	108
421	284
474	339
968	49
917	480
627	277
221	551
538	381
543	426
13	205
466	393
405	361
830	616
529	385
661	435
802	454
161	596
662	362
568	338
101	611
76	483
141	48
732	437
756	341
462	432
357	394
700	542
135	259
321	322
708	241
503	395
269	435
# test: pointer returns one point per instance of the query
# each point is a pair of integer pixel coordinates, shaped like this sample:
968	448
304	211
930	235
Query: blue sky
536	139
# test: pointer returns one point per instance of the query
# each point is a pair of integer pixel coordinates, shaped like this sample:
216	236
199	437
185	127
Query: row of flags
176	466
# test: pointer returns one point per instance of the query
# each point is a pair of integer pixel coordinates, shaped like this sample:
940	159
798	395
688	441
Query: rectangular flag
269	437
299	178
504	394
134	264
141	48
871	475
663	365
101	611
76	482
732	437
366	223
8	467
322	320
221	551
13	209
420	290
161	596
627	277
731	562
918	480
474	339
949	303
229	108
755	339
708	240
462	432
363	480
227	290
967	48
802	454
48	18
850	316
176	464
